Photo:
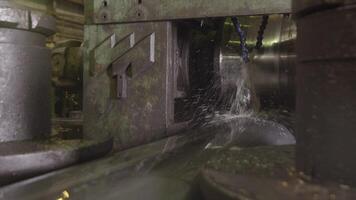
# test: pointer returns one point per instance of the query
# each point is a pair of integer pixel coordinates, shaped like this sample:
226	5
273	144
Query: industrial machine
196	99
163	76
27	146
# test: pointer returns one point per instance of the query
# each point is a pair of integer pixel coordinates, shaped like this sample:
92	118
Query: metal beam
69	16
123	11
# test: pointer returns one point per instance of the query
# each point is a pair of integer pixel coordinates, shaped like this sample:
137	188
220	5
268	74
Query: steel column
326	97
24	73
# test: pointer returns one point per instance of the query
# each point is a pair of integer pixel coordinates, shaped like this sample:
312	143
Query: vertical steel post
326	90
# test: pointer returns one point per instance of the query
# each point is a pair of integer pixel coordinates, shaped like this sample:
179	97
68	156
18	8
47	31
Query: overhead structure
68	14
105	11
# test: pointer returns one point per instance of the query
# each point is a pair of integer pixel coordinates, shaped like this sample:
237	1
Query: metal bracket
135	62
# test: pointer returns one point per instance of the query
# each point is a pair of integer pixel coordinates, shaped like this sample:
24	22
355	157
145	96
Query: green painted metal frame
145	114
106	11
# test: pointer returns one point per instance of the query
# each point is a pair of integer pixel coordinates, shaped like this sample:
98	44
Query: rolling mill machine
185	99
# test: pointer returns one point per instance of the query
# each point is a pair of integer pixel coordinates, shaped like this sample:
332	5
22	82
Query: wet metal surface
20	160
161	170
250	131
270	74
106	177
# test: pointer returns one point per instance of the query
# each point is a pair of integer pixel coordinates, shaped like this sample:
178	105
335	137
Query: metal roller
24	73
216	66
271	70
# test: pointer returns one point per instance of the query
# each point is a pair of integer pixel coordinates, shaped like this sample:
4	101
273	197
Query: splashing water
241	102
240	108
243	128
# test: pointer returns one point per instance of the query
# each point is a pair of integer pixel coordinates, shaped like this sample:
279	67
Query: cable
244	49
261	32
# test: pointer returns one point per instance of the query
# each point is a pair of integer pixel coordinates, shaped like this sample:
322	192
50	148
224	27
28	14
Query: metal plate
113	11
127	94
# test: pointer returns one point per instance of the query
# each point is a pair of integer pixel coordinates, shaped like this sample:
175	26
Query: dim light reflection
64	195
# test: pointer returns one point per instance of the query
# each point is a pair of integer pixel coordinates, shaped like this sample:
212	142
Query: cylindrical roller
24	73
326	95
271	70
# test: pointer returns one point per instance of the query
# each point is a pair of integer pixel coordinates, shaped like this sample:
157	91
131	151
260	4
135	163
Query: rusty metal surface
106	11
127	80
326	102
